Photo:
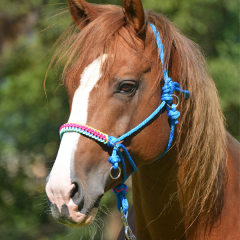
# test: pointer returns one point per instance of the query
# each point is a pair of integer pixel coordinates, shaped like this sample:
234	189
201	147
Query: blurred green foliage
29	121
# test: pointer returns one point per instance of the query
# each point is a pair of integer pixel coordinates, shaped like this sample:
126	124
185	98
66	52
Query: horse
115	78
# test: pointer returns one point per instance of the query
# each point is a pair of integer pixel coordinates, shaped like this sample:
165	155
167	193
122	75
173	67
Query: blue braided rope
122	203
143	123
117	157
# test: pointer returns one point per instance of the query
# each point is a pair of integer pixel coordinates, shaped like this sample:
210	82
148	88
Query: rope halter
118	149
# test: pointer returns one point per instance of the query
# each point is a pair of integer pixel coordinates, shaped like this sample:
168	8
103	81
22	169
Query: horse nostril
74	190
77	195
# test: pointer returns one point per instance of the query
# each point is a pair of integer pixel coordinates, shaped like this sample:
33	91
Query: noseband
116	143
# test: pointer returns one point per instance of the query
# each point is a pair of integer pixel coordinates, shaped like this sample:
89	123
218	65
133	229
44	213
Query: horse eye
127	88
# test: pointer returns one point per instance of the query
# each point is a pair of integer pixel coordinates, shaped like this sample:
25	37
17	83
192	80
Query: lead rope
115	143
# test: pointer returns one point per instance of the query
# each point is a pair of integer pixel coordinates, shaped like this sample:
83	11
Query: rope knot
167	90
111	141
120	191
173	114
114	160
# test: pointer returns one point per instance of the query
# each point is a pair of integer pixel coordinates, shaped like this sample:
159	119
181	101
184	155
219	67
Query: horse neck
153	187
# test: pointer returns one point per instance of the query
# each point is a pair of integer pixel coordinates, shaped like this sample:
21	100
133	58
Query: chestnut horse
114	77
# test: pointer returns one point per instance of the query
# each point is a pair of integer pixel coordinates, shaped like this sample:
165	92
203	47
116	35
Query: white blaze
60	180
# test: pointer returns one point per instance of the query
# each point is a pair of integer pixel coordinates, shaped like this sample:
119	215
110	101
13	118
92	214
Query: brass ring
110	173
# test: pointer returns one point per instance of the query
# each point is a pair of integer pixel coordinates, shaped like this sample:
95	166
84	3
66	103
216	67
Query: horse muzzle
70	204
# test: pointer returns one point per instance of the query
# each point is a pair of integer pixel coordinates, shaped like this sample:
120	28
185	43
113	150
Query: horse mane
201	135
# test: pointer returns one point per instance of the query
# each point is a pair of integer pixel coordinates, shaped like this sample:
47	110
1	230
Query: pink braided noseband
85	130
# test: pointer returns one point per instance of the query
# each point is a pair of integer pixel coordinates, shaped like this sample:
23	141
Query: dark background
29	121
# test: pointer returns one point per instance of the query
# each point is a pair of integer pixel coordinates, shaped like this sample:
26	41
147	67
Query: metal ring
173	95
110	173
113	144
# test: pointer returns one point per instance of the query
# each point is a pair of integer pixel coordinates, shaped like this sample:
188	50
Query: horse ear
82	12
134	14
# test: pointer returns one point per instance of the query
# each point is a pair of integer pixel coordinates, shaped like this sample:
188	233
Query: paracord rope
85	130
169	87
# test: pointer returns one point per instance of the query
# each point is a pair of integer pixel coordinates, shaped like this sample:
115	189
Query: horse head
122	69
114	83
